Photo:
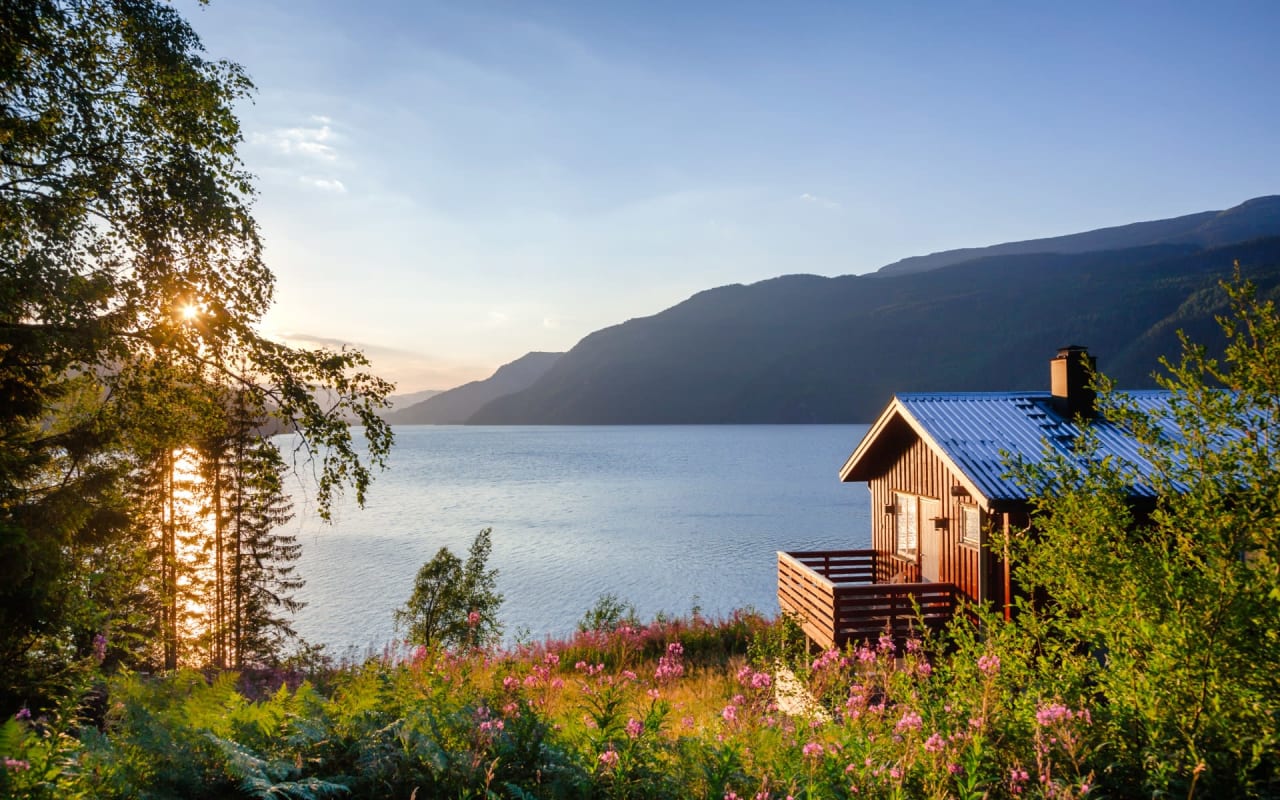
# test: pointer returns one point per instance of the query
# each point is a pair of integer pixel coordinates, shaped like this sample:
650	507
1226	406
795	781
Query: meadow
676	708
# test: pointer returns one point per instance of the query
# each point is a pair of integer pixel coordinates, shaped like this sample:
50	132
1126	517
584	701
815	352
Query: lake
665	517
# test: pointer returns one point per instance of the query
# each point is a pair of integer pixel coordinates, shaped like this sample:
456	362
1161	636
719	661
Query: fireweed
589	716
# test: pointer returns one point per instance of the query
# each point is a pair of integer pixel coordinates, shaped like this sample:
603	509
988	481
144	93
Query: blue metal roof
979	431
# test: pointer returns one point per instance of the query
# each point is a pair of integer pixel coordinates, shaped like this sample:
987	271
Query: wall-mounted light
959	491
891	509
940	523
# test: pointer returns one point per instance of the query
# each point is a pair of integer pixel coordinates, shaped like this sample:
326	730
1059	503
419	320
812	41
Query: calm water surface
663	517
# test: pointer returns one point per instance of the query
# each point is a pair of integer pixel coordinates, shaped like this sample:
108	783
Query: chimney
1069	374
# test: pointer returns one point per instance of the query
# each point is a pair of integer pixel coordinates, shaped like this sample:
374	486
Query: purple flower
609	758
23	713
1047	715
812	750
634	728
910	722
989	664
935	744
100	647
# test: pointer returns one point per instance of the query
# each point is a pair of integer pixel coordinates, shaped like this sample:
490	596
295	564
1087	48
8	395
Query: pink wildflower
634	728
924	669
761	680
669	665
609	758
935	744
473	619
886	643
812	750
1017	777
910	722
510	682
989	664
1047	715
730	713
16	765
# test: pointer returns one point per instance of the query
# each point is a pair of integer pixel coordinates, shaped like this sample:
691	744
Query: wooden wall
917	470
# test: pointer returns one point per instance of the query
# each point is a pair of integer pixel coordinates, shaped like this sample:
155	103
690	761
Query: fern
265	779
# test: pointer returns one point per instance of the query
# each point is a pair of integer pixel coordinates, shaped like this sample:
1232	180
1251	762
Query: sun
190	311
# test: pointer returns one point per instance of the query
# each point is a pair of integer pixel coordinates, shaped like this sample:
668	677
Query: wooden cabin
935	464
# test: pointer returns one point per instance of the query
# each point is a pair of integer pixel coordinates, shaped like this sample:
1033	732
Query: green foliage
454	604
123	204
1170	613
608	614
781	644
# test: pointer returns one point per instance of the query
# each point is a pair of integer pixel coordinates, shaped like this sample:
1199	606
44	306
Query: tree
454	604
1172	613
126	239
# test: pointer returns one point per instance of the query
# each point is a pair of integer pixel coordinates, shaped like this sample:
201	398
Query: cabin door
930	539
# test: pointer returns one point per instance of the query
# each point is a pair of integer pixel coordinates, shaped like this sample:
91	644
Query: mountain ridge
456	405
1254	218
804	348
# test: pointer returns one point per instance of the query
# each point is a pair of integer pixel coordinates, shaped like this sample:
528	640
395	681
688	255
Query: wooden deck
837	598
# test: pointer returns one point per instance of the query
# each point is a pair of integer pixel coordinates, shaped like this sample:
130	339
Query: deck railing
835	595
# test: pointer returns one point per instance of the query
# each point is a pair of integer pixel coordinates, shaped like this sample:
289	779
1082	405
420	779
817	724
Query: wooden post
1008	583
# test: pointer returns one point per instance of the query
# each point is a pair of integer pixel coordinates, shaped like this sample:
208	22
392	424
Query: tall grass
675	709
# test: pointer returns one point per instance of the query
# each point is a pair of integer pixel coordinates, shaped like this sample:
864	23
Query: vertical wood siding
918	471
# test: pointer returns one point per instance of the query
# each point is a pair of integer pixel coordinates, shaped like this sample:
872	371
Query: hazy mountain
803	348
408	399
454	406
1252	219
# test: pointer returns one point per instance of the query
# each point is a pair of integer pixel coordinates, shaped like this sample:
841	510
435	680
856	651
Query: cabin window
907	517
970	525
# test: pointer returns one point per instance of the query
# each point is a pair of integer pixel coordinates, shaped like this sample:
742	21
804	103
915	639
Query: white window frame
906	521
971	536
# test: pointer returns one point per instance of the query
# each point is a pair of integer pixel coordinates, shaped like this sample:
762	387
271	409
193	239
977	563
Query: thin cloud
551	323
314	141
324	184
819	201
411	371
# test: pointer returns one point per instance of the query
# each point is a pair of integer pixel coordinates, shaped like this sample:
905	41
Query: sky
451	185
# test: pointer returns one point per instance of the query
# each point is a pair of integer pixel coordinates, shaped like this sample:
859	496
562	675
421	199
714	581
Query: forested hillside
803	348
